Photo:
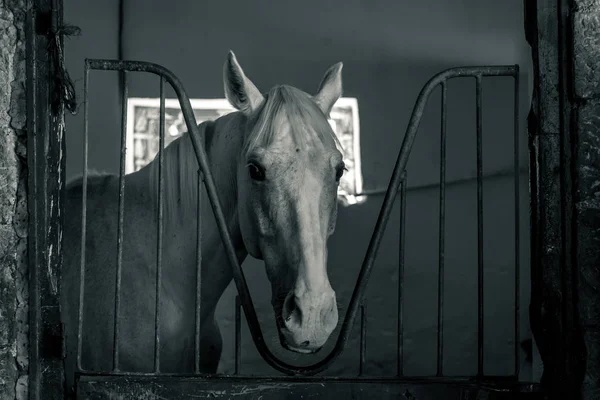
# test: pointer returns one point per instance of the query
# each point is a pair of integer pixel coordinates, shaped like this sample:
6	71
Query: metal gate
300	381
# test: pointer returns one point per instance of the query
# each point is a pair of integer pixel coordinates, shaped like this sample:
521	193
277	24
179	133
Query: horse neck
223	141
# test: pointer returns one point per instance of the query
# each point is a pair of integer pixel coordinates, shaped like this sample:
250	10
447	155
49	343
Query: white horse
276	164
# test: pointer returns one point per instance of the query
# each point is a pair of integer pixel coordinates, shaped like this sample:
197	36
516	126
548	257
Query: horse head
287	180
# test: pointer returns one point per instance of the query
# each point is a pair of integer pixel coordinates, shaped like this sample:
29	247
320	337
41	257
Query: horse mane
302	112
180	186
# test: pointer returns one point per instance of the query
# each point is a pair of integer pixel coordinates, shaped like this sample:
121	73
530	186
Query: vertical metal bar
442	236
479	231
517	226
83	215
400	358
159	241
238	333
198	272
363	338
120	227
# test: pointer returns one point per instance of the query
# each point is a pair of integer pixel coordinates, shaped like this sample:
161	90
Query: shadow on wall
390	49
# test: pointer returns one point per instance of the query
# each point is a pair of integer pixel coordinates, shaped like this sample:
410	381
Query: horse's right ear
239	90
330	89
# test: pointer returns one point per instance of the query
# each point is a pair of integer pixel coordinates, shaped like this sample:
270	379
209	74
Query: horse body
286	225
138	279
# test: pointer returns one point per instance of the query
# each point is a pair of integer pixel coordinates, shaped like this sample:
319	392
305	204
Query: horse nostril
290	306
305	343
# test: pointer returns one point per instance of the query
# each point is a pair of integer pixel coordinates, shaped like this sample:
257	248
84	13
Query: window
143	134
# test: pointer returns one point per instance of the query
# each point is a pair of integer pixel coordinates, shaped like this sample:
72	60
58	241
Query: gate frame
46	177
120	382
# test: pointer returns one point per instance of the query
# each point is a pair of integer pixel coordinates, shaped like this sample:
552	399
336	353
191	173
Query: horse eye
339	172
257	173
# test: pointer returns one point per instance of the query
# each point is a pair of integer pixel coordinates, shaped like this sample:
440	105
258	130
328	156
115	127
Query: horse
276	164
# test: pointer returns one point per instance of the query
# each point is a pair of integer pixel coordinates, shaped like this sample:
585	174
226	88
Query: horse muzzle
308	321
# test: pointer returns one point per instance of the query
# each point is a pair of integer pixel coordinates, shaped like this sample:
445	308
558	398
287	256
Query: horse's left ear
330	89
239	90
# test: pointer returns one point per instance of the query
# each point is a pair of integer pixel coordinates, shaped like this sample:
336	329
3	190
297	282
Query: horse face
287	200
288	208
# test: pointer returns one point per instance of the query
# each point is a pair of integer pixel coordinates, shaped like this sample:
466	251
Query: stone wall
586	91
13	203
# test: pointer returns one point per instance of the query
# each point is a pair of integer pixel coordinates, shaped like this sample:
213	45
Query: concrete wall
389	49
13	203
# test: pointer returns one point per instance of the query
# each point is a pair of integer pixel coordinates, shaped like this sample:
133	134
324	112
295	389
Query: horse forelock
306	120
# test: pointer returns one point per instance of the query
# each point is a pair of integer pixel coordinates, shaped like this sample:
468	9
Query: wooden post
46	158
585	92
565	172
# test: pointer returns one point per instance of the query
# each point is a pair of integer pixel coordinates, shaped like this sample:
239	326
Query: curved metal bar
388	202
